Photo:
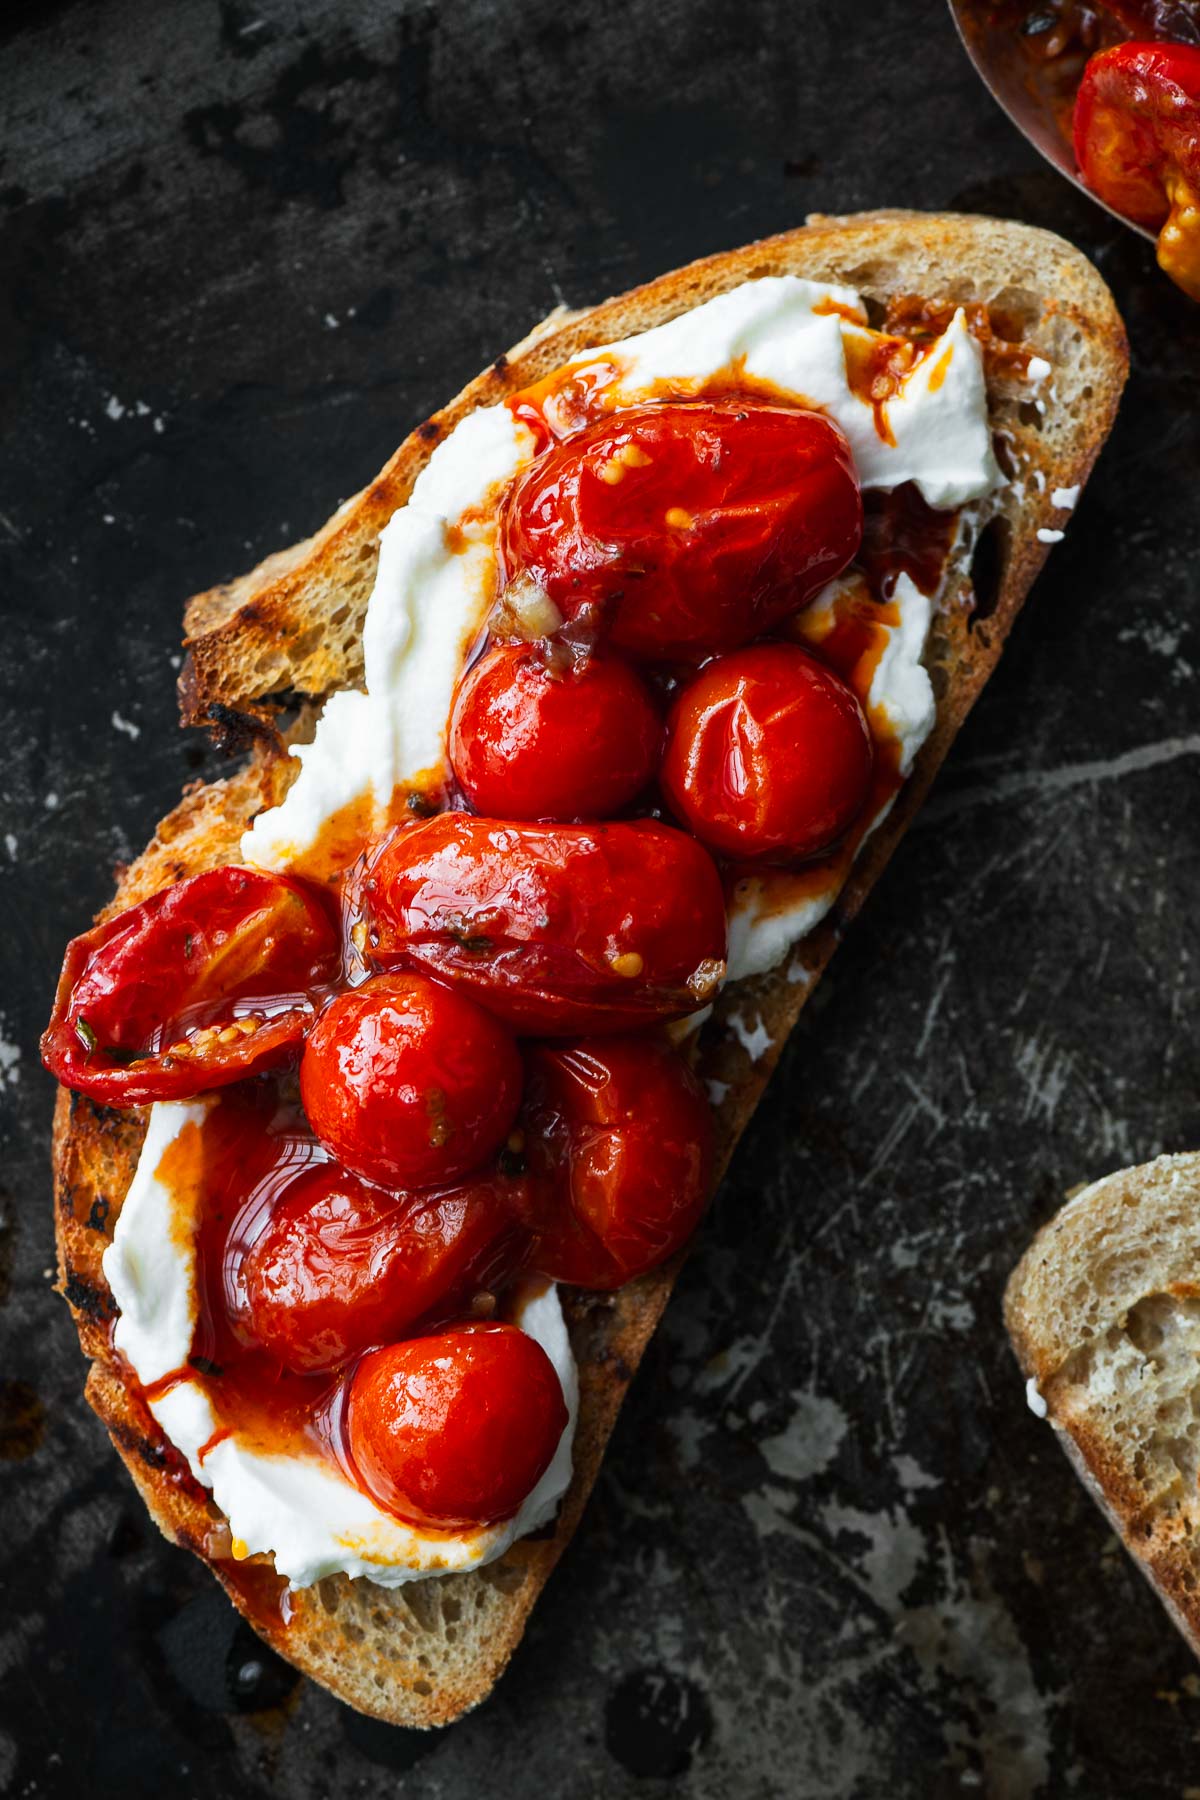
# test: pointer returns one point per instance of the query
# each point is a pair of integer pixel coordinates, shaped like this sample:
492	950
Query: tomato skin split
557	929
205	983
768	756
456	1429
688	528
620	1143
1137	143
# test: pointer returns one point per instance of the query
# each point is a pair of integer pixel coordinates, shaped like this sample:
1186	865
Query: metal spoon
990	48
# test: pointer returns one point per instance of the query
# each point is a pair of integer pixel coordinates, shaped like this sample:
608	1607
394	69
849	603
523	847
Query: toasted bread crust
1090	1298
424	1654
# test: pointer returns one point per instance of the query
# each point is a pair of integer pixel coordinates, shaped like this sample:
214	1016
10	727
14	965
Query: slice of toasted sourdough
1104	1314
423	1654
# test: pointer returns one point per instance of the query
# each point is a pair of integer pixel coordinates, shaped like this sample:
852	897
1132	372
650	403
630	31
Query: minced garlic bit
525	612
706	978
678	518
629	964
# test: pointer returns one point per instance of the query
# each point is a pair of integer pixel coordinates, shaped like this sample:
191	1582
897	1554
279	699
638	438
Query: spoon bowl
1003	72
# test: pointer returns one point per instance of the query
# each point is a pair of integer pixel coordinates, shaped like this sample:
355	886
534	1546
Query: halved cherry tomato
768	754
204	983
1137	143
408	1082
342	1265
620	1146
456	1429
555	928
530	741
695	527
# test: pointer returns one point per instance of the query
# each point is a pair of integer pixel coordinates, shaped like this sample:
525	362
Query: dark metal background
244	247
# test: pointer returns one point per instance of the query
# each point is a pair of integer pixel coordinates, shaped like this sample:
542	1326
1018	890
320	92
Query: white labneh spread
316	1520
436	556
435	585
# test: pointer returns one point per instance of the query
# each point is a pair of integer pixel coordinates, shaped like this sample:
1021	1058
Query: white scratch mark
10	1058
1049	782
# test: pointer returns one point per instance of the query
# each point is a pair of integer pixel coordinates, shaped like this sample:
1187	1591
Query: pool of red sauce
255	1139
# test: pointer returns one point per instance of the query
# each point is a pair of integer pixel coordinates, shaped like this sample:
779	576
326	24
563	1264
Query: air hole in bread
1028	414
327	1593
1016	311
422	1687
423	1603
989	562
503	1575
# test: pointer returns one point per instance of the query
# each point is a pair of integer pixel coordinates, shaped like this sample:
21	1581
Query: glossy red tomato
202	984
343	1265
557	929
408	1082
768	754
528	741
456	1429
620	1146
695	527
1137	143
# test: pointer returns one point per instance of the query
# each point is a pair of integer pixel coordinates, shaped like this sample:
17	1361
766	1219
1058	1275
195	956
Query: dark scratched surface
243	249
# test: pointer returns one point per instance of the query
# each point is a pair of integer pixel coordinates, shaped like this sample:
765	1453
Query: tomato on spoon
1137	143
203	984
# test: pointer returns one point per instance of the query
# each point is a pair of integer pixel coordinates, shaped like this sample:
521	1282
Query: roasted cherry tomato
620	1146
408	1082
1137	143
768	754
531	741
694	527
341	1265
202	984
557	929
456	1429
